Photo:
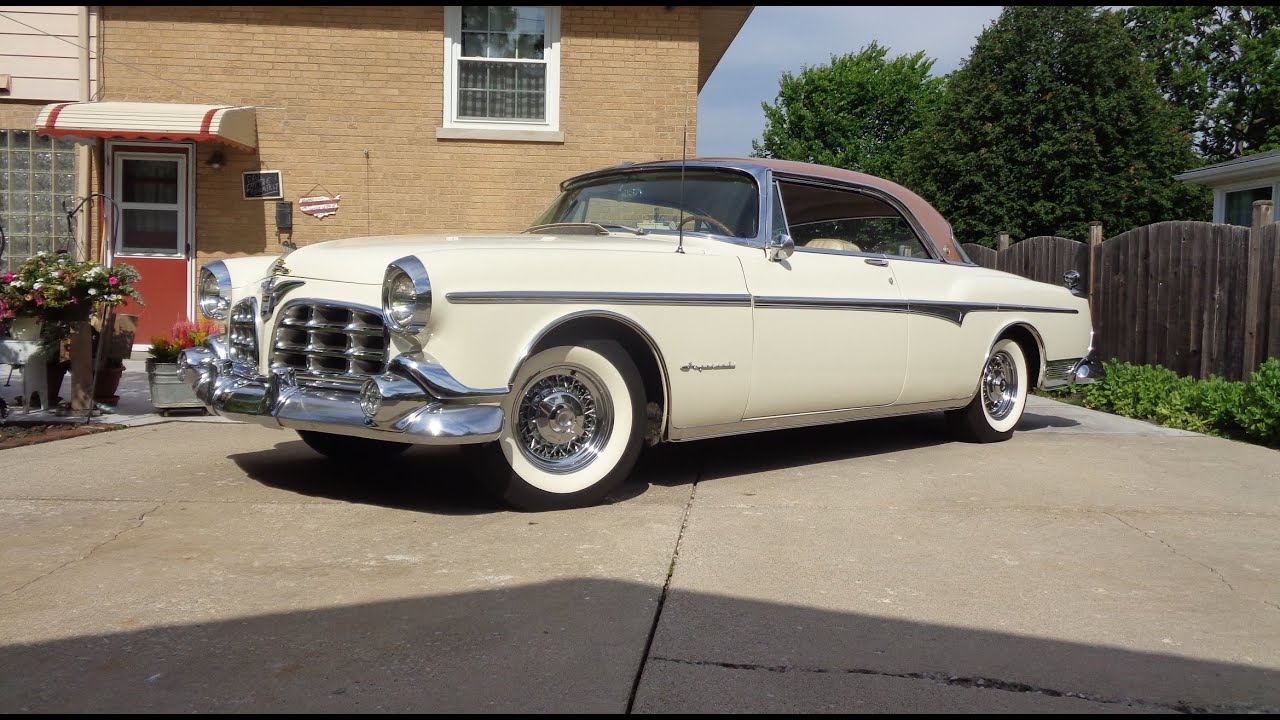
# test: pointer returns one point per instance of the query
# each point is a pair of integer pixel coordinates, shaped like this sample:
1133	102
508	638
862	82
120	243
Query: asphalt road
1091	564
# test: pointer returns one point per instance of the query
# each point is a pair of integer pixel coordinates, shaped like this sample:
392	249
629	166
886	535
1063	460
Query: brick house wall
331	83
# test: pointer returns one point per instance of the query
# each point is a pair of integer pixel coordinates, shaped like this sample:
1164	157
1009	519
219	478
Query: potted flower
50	291
168	391
57	288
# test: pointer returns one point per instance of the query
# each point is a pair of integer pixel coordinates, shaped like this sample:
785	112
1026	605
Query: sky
779	39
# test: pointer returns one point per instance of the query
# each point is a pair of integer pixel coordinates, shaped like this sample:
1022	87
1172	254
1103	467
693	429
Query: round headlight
406	295
215	291
401	298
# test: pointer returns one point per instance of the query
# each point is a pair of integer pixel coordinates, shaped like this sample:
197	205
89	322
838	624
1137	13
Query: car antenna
684	152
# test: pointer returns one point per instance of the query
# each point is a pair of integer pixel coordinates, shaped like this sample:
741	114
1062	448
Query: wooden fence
1198	298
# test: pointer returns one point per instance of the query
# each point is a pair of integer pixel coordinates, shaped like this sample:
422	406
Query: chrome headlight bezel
406	312
214	290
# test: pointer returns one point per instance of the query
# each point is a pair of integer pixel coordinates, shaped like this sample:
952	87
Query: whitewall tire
573	429
1001	398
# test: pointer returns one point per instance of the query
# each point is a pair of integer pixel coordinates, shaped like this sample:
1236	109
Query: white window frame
547	130
1220	195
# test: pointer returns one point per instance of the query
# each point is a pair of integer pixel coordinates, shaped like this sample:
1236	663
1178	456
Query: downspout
84	150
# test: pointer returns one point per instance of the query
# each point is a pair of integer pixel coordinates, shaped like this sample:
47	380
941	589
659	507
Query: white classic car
654	302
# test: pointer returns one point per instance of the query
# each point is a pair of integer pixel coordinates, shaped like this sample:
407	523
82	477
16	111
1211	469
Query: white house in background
1237	184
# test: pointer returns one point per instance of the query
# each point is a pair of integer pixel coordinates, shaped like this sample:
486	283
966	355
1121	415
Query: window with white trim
502	67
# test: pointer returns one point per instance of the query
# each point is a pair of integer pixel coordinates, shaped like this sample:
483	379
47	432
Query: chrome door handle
878	262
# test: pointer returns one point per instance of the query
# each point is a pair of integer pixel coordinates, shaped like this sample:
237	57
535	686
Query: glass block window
37	175
503	65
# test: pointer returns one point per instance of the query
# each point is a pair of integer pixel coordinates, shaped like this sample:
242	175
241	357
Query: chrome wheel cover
563	419
1000	385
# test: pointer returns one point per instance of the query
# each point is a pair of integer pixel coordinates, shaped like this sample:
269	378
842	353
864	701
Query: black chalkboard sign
263	185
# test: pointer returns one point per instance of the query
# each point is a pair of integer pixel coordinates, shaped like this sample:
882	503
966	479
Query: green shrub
1247	410
1258	412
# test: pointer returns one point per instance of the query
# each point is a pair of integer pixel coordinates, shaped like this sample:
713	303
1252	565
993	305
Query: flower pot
25	329
168	391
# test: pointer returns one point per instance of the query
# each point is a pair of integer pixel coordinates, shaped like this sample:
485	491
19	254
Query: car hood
364	259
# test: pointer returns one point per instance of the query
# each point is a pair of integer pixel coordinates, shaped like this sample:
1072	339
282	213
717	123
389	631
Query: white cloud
779	39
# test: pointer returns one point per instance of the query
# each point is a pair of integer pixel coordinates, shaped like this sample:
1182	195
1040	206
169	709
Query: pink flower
75	301
39	301
114	280
8	277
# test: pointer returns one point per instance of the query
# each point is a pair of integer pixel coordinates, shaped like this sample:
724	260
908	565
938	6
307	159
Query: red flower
114	280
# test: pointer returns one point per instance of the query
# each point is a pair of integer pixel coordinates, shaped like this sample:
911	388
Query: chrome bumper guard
1088	370
1074	371
408	404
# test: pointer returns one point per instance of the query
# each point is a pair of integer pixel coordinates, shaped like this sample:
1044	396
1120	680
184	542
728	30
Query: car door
830	321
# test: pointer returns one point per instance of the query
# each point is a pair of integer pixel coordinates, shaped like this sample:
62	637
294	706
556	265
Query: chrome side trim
602	298
431	376
956	312
783	422
605	314
951	312
811	303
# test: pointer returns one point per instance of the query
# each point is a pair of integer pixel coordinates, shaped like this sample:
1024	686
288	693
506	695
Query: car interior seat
833	244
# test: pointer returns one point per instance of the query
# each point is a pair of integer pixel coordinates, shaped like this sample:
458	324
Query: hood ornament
278	267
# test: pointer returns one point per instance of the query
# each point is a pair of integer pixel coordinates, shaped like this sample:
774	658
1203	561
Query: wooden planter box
168	391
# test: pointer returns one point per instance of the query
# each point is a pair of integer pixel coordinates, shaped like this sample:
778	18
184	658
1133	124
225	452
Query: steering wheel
724	229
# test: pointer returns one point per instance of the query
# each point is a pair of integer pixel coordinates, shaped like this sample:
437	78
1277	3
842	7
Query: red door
151	192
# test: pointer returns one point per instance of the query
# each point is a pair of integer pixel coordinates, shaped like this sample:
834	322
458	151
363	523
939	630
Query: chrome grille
328	340
242	332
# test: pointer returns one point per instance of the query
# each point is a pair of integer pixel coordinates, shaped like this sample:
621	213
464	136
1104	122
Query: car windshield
720	202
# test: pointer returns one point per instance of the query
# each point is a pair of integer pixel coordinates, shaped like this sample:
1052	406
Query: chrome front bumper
416	401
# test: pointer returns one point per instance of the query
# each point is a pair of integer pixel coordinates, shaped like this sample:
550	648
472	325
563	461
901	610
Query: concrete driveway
1090	564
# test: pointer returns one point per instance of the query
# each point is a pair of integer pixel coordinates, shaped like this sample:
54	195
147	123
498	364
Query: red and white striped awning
233	126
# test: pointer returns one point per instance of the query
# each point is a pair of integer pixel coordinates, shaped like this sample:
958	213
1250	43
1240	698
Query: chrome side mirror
780	248
1071	281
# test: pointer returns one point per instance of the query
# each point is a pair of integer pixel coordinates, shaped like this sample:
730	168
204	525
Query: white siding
38	51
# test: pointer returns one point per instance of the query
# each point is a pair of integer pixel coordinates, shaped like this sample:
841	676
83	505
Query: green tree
1052	122
1220	66
859	112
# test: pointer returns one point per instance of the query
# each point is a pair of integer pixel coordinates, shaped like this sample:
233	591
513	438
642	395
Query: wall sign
263	185
320	206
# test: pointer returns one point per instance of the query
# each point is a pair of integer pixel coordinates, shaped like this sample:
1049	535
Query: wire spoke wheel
564	418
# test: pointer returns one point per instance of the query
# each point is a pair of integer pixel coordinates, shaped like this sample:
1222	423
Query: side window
827	218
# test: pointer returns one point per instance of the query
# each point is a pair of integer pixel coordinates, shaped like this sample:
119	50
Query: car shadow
702	460
439	480
1040	421
422	479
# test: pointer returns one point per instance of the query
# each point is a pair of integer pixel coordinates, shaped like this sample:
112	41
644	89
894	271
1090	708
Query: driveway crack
969	682
116	536
666	586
